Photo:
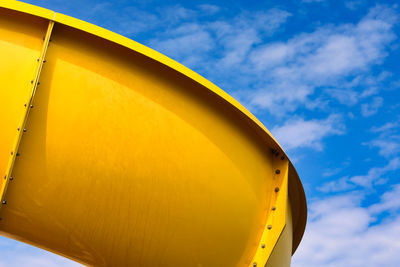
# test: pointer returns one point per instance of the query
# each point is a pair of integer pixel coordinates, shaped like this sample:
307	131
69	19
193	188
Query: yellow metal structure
112	154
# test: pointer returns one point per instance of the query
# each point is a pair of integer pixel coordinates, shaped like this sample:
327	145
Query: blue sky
323	76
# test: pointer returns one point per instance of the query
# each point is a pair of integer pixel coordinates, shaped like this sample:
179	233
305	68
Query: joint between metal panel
28	106
276	219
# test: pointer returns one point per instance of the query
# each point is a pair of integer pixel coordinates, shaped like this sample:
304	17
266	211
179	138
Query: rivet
5	176
255	264
44	60
282	158
273	208
278	171
269	227
12	153
31	81
277	189
11	178
38	83
18	128
37	60
17	154
25	130
25	104
262	245
4	202
31	106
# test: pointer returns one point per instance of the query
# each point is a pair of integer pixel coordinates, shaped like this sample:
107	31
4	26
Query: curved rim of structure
296	190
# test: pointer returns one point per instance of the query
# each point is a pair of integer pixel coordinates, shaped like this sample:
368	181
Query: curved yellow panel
123	157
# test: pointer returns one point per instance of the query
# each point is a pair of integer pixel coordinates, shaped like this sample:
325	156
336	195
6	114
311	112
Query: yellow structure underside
115	155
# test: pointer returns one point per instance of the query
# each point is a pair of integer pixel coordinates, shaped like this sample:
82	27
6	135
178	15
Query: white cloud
375	173
390	201
331	172
237	45
324	58
188	42
387	147
340	185
388	141
228	42
385	128
375	176
340	233
353	5
177	13
209	9
307	133
370	109
347	96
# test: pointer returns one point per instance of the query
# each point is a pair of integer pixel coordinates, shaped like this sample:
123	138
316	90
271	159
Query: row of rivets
24	130
269	227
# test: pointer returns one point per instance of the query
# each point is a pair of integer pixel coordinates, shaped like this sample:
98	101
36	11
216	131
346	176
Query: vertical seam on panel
276	220
28	106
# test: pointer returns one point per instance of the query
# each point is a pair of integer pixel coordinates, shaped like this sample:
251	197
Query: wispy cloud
328	58
209	9
228	41
299	133
370	109
388	140
387	147
353	5
390	201
386	128
339	185
374	176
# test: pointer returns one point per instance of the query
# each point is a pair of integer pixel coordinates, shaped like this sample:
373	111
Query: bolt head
269	227
262	245
276	189
273	208
4	202
278	171
255	264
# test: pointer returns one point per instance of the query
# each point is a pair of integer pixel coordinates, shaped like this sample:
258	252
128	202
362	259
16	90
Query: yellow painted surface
129	158
276	215
281	254
20	48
